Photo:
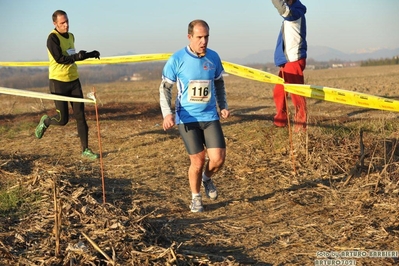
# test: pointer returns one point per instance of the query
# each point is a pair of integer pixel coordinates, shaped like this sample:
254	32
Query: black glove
93	54
80	56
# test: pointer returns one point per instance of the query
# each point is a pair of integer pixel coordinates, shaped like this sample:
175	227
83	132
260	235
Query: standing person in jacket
290	55
197	72
64	80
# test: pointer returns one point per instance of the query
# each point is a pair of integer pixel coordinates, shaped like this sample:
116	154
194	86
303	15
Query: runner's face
199	39
62	24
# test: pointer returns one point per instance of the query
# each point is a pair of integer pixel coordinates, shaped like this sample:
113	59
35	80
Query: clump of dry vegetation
284	198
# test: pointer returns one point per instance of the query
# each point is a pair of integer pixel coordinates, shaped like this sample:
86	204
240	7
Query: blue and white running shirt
194	77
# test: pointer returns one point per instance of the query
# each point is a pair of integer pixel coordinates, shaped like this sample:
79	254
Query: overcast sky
238	28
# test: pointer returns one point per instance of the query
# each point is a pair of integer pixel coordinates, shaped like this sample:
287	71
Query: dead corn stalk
360	162
57	217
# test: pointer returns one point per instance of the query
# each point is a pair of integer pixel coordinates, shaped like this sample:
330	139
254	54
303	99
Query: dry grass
334	188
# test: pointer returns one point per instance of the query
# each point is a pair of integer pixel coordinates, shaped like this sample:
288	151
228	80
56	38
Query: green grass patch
14	131
16	201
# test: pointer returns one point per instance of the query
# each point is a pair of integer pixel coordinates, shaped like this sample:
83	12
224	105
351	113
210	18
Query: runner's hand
224	113
168	122
93	54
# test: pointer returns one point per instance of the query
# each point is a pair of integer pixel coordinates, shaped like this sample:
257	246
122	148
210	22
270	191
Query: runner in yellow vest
64	80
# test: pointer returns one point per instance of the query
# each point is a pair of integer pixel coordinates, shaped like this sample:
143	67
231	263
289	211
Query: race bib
71	51
199	91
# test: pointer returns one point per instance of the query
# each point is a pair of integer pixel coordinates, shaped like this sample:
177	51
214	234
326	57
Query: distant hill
320	54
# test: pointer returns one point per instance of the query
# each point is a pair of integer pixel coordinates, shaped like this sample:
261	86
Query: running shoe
196	204
210	189
41	127
89	154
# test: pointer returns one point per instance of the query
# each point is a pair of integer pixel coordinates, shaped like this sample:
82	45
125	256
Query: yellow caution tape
102	61
317	92
33	94
125	59
25	64
251	73
343	96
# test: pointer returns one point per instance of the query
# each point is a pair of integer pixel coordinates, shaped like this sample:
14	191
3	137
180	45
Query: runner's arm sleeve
281	6
165	98
220	93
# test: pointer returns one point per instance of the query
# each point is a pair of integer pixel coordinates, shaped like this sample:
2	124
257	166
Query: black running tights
70	89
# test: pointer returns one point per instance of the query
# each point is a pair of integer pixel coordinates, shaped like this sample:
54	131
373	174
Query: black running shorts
198	135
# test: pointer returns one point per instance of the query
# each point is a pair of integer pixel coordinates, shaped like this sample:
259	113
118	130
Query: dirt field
284	199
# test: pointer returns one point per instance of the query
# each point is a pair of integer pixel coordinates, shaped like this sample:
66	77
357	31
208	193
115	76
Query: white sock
204	177
194	195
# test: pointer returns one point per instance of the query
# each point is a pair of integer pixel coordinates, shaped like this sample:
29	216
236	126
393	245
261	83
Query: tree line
380	62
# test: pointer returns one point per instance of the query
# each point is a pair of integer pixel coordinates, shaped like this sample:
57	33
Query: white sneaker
210	189
196	204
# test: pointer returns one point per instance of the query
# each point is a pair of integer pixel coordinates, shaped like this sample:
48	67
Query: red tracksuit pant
291	72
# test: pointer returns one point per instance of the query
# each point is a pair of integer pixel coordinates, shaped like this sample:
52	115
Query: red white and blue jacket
291	43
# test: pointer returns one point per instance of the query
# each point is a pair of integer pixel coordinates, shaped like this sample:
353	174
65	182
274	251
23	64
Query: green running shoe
41	127
89	154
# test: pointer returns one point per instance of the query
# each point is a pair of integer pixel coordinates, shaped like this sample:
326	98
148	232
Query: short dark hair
195	22
58	13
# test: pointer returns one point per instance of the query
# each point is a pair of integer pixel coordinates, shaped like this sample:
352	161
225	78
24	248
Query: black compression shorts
198	135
